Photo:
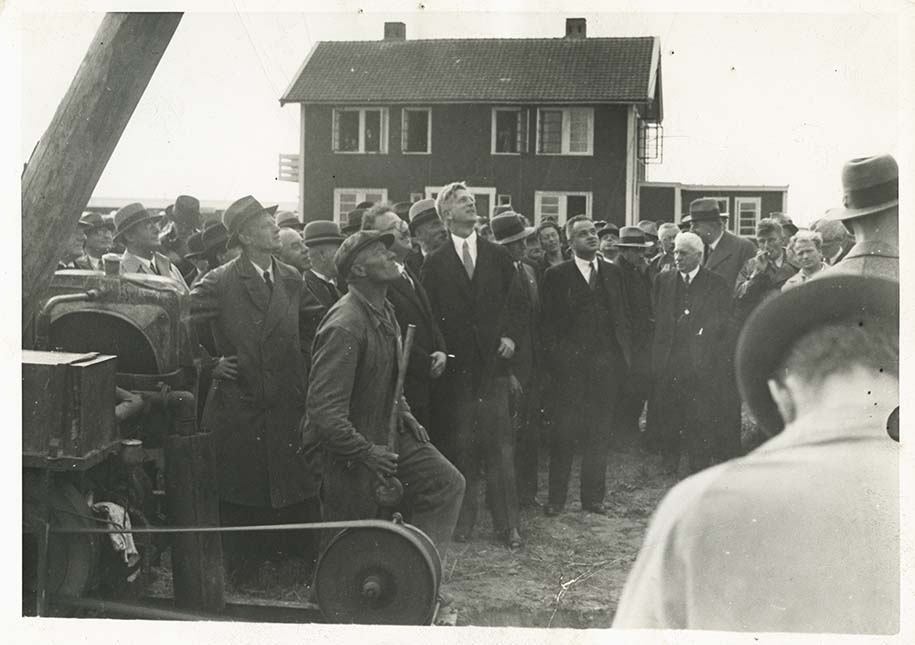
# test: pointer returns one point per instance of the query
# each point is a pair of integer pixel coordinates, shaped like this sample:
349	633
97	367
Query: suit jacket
255	418
526	358
751	291
729	257
414	261
565	349
316	300
132	264
411	306
474	314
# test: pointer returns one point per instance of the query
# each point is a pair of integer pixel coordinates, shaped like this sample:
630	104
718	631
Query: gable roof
545	70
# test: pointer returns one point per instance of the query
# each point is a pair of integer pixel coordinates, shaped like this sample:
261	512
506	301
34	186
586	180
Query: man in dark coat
725	253
764	274
690	357
411	306
257	397
469	282
587	338
322	238
351	398
428	230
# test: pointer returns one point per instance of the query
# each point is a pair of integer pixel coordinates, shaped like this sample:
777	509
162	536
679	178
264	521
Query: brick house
553	126
669	201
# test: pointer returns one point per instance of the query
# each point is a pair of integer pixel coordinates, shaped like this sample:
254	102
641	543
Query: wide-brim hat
212	238
422	211
322	232
91	220
353	221
240	212
130	215
776	325
650	228
348	252
186	210
870	185
509	227
288	219
704	209
632	237
194	245
402	209
608	229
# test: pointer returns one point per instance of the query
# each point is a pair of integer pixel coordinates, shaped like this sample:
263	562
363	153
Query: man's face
376	264
549	240
515	249
98	241
533	252
608	247
431	234
583	238
144	236
322	258
262	234
771	244
667	238
294	251
462	208
390	223
75	243
807	254
633	256
707	230
685	258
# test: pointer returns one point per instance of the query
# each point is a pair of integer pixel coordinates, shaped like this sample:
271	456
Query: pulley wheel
384	575
72	559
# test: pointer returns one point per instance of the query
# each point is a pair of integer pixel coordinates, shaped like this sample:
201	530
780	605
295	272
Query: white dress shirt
584	267
471	243
691	275
264	272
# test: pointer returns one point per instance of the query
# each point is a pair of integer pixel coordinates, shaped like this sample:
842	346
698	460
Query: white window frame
473	190
504	199
360	194
383	135
757	204
566	132
523	113
403	130
563	204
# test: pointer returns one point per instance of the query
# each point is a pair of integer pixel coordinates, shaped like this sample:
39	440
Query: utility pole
71	156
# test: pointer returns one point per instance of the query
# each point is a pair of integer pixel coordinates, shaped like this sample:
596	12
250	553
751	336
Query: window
361	130
416	135
565	131
509	131
747	215
559	207
504	200
345	200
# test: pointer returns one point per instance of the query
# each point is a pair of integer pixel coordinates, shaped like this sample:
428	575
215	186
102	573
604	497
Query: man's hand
759	263
438	364
381	461
411	424
226	368
506	347
514	386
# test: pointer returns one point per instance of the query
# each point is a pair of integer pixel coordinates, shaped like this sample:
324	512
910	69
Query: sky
749	98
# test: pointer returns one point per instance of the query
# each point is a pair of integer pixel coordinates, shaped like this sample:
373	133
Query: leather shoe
551	510
598	508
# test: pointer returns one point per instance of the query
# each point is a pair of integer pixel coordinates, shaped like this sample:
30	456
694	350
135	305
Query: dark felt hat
322	231
91	220
346	255
509	227
421	212
632	237
870	184
288	219
365	205
772	329
212	238
353	221
129	216
186	210
194	245
608	229
704	209
650	228
241	211
403	210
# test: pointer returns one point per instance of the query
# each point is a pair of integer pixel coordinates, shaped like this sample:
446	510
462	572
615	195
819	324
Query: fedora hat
776	325
353	221
421	212
704	209
288	219
322	231
186	211
509	227
351	247
91	220
194	245
212	238
608	229
403	210
240	212
870	185
632	237
649	227
129	216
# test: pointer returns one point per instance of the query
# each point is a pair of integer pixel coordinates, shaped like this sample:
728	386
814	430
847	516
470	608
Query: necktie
592	276
468	261
707	251
153	268
268	280
332	291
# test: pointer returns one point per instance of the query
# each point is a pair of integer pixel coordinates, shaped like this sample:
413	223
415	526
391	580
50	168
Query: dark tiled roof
534	69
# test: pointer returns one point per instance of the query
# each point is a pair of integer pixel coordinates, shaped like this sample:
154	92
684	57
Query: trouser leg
465	453
527	441
595	444
562	450
494	429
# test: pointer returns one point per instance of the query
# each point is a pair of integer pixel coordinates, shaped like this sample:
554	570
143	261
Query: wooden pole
69	159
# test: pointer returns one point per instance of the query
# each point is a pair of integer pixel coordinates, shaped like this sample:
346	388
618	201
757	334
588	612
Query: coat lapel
721	253
457	265
257	289
279	299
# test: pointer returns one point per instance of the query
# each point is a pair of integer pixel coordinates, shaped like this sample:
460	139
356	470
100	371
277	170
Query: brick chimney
576	28
395	31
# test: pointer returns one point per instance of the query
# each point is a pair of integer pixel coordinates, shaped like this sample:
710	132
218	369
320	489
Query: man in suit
469	282
586	337
411	306
74	251
322	239
136	228
257	397
690	356
764	274
725	253
428	229
293	250
664	260
99	232
510	231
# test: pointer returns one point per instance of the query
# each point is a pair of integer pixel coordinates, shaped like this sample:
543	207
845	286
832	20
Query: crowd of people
563	337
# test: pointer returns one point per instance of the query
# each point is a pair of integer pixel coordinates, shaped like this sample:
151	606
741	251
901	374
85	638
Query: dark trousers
525	412
483	437
683	420
251	547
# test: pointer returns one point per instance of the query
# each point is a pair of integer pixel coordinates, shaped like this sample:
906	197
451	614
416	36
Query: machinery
109	422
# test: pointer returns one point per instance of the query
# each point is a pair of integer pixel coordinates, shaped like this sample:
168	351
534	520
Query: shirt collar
714	244
323	277
262	271
147	264
459	243
583	265
383	317
692	274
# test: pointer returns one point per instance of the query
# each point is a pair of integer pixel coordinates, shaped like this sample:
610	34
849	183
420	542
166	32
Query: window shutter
522	130
336	131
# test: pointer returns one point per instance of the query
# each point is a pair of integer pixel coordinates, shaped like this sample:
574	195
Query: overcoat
131	264
729	256
316	299
255	418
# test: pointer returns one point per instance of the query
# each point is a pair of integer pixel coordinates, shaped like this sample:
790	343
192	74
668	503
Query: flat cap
346	255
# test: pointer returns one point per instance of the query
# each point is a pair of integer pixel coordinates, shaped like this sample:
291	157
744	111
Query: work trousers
483	437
